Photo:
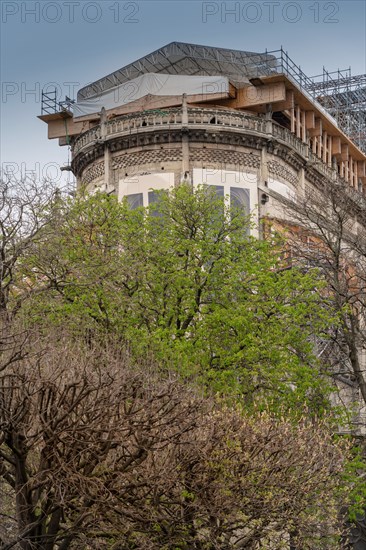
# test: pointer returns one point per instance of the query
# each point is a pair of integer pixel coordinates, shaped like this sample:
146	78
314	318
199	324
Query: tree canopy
159	385
96	452
187	283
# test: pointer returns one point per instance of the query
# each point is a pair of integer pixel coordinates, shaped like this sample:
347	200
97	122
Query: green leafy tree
187	283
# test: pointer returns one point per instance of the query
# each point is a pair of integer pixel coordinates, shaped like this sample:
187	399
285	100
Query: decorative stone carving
152	156
225	158
93	172
278	169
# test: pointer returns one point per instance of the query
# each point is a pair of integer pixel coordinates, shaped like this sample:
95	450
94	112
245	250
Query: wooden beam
355	174
63	141
67	127
336	145
344	152
325	147
286	105
252	96
292	118
341	169
346	170
303	126
330	142
315	139
298	121
361	168
232	91
351	172
317	131
310	120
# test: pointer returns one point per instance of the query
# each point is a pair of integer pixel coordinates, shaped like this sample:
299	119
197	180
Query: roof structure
339	96
189	59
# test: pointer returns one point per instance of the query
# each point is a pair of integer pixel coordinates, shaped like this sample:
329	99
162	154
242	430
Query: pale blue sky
73	42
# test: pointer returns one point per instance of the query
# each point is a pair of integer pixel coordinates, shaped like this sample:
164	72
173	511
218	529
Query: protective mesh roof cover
151	84
179	58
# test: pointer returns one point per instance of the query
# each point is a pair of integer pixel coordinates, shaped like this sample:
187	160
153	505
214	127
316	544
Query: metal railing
288	67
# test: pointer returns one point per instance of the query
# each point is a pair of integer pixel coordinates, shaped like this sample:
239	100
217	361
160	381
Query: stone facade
133	154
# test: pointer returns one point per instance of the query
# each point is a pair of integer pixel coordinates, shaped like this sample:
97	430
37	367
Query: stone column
108	173
302	184
108	181
185	140
262	181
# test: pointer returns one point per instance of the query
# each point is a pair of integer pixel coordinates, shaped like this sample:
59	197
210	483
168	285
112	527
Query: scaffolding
338	94
344	97
50	105
180	58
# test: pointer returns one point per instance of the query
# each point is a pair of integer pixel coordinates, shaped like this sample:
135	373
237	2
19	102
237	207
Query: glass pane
240	198
219	190
135	200
154	198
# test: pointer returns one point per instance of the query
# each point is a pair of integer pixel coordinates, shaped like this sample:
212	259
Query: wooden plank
55	116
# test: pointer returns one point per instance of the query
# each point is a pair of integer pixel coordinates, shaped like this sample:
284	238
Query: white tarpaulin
152	84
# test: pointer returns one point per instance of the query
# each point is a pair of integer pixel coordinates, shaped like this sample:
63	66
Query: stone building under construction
248	123
251	124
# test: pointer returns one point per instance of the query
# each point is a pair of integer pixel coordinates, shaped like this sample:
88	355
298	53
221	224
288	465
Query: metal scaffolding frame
49	103
188	59
340	93
344	97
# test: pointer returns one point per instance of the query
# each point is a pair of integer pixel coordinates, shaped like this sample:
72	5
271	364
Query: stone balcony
171	119
209	121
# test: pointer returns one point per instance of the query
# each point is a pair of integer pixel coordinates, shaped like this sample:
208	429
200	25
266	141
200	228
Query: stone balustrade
195	117
170	118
